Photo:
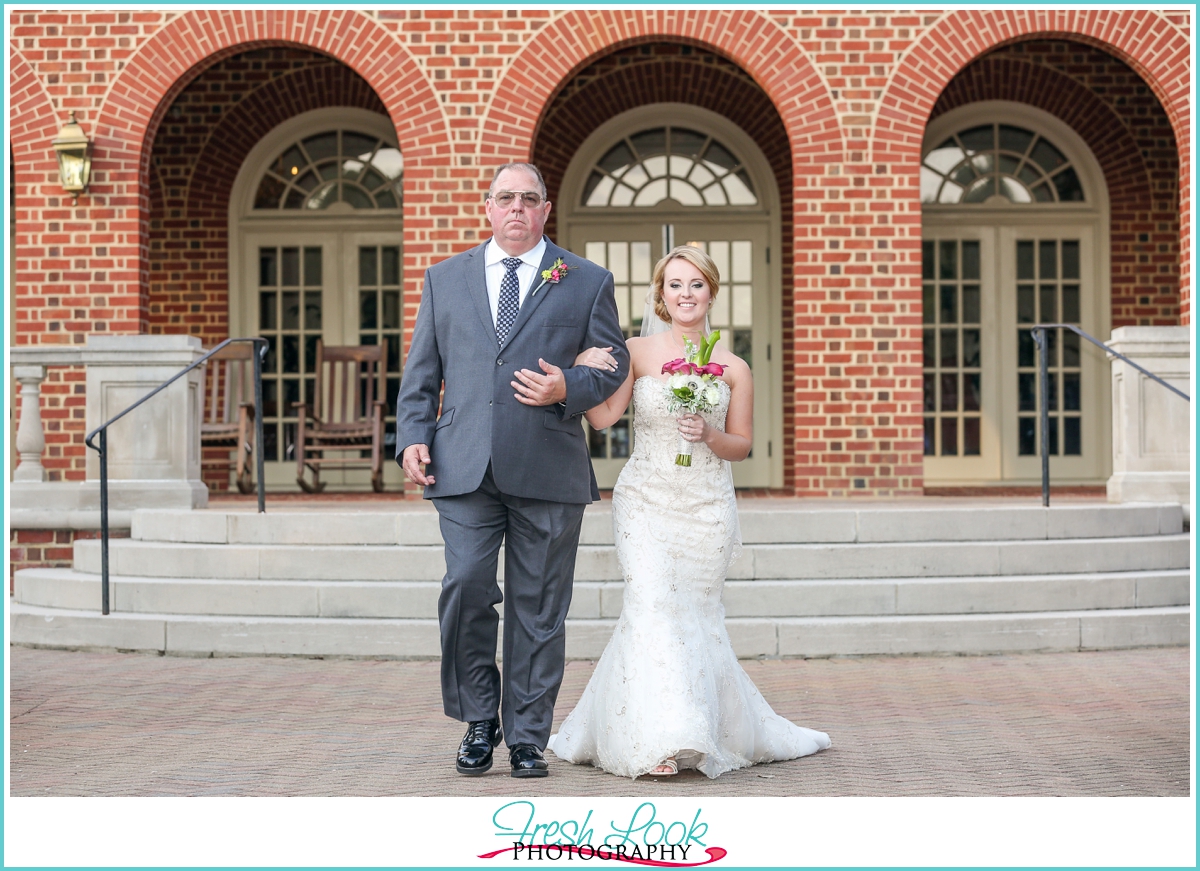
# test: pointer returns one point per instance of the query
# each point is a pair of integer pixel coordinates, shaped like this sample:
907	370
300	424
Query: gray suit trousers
540	542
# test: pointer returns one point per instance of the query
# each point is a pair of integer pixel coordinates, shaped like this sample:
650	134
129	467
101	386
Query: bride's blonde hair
694	256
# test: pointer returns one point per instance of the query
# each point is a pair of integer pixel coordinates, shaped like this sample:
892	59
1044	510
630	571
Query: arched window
998	160
692	168
336	166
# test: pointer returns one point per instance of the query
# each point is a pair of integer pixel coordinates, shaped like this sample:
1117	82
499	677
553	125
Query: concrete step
921	559
762	522
70	589
192	635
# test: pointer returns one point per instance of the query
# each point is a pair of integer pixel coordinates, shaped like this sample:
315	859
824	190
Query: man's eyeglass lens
504	199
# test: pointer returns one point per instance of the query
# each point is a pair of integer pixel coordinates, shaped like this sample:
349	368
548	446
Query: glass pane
312	310
949	436
970	260
368	266
267	273
1070	259
970	351
1071	391
1027	436
595	252
291	354
270	437
270	398
981	190
321	146
358	145
650	142
357	198
928	305
1027	391
949	392
272	359
291	394
718	155
1026	349
295	199
1070	303
270	189
391	310
687	142
929	383
598	189
652	194
266	311
743	313
639	263
927	261
1014	139
1024	261
741	261
312	267
949	348
1052	346
291	267
1068	186
1070	349
930	425
1047	156
948	260
970	313
391	265
1025	304
972	399
928	351
1048	259
617	158
743	346
971	437
291	311
618	261
949	312
368	316
310	356
1053	437
393	354
598	443
1047	308
619	434
1072	436
719	314
978	138
1052	402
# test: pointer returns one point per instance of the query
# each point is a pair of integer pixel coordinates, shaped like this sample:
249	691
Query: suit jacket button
499	362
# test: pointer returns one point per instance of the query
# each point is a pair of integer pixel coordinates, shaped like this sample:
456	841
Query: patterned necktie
510	299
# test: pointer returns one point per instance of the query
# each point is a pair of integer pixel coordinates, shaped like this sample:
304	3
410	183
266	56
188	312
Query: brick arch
32	111
1144	39
165	64
1135	152
572	41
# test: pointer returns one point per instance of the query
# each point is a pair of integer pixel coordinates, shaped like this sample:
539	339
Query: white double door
342	287
983	288
744	311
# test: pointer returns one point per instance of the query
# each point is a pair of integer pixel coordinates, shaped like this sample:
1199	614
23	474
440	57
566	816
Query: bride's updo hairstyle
694	256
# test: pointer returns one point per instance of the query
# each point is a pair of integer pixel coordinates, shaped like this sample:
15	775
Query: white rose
675	382
711	394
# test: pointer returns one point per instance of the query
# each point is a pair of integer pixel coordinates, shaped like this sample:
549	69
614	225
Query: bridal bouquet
692	386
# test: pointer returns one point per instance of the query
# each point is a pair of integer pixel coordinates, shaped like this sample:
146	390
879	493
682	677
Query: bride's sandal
665	768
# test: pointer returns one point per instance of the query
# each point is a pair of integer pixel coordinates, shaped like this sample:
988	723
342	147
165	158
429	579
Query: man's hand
414	457
534	388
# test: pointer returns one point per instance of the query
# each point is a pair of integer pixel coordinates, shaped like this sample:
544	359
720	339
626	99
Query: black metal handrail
1039	338
102	449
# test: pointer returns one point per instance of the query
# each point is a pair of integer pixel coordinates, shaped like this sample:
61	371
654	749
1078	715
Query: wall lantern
74	151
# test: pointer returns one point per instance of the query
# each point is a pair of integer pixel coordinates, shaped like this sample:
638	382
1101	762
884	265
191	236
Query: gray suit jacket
536	452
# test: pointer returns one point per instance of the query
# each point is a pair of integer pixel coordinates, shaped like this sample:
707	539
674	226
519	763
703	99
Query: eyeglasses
504	199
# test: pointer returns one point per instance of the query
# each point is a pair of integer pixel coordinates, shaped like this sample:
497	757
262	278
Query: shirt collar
493	254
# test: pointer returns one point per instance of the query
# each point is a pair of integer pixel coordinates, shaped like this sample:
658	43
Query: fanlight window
337	166
669	162
998	160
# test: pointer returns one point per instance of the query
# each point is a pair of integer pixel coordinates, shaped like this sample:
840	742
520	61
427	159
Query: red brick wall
1125	127
47	548
664	72
467	89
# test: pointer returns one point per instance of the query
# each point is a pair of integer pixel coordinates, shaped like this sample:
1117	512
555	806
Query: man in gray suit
507	459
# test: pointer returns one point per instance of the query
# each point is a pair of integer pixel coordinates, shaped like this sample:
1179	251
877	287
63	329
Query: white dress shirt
493	270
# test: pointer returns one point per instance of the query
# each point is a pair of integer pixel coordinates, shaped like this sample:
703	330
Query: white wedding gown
669	683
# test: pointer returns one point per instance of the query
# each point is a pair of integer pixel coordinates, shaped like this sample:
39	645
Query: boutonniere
556	273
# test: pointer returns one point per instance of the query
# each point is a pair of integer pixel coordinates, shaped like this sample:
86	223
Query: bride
668	692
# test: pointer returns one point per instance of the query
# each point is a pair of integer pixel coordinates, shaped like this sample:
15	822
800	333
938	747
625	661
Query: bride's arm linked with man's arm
733	443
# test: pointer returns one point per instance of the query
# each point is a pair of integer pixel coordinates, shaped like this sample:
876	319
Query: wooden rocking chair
229	412
347	413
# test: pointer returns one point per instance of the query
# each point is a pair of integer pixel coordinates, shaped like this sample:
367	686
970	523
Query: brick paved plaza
1112	723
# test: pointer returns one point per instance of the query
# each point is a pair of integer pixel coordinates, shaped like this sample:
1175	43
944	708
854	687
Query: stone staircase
934	576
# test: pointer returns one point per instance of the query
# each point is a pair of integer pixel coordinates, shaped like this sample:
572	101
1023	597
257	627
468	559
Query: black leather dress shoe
475	751
527	761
